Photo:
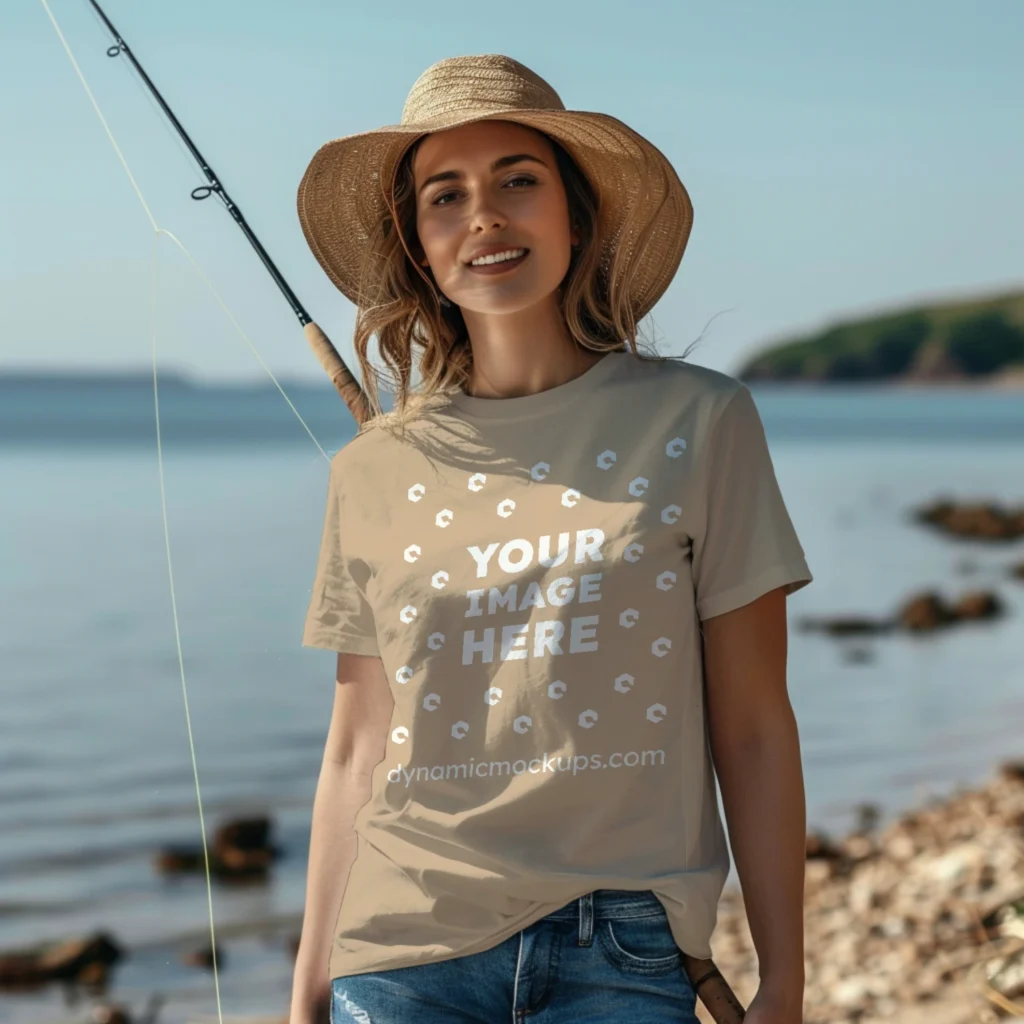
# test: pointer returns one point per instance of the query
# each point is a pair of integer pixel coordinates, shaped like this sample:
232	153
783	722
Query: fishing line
157	232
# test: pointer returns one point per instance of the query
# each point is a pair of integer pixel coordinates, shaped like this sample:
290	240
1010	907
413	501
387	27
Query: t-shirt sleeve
339	618
748	545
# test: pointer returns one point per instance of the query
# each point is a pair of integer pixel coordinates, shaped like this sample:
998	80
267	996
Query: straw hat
341	195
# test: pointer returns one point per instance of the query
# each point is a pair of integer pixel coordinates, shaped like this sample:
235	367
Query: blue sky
842	157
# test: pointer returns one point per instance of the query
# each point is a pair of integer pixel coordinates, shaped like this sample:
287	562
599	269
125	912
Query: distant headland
979	341
976	342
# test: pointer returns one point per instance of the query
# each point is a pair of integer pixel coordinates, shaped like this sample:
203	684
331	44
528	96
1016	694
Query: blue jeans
606	957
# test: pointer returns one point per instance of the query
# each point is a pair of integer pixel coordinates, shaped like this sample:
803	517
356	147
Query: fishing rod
334	366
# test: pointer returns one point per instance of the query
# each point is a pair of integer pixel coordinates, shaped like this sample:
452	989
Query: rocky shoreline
922	920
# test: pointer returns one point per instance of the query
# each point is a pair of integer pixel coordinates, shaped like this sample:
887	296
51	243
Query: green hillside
944	341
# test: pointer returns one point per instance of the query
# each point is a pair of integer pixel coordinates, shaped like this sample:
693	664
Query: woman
555	577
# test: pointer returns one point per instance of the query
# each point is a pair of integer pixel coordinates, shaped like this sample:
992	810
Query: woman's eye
519	177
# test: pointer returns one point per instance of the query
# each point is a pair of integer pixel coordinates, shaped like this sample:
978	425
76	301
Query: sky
842	158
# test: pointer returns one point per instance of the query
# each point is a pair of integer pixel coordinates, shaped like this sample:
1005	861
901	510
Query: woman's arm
756	751
355	744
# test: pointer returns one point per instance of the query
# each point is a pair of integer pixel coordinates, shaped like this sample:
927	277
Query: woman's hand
312	1008
773	1007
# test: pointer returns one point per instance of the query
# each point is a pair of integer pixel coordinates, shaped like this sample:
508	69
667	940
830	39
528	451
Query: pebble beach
919	921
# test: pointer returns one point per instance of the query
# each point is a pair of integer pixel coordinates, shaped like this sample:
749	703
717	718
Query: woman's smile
502	266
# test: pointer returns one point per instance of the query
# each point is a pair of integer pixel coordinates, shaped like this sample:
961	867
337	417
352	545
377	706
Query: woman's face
486	202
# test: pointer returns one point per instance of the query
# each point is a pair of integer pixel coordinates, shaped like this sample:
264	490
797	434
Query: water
95	769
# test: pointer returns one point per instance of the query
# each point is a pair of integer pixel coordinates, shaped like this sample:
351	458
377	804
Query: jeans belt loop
586	906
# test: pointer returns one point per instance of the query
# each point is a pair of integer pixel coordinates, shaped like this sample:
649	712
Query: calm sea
95	771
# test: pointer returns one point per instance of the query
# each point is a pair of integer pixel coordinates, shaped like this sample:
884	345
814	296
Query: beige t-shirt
532	572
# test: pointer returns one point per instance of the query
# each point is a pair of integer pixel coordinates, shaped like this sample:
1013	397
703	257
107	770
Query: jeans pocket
643	945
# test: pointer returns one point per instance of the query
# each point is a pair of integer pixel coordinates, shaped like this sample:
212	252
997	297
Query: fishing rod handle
714	990
334	366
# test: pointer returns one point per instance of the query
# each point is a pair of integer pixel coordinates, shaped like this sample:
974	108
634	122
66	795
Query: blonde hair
404	310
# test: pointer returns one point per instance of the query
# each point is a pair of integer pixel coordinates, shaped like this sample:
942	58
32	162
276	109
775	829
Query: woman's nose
485	215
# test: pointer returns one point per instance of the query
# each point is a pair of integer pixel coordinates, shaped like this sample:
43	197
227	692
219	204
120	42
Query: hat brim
341	194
